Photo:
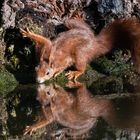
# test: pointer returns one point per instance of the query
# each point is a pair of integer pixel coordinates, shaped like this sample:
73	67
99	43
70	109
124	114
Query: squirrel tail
123	33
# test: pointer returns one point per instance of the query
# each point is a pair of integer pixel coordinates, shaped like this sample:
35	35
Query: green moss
61	80
117	65
90	76
7	81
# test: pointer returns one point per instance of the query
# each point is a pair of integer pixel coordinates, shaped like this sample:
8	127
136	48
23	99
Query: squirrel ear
43	64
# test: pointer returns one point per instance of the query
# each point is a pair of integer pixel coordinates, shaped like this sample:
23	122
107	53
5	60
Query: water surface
71	112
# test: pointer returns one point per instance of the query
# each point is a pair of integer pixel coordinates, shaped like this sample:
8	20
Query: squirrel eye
48	92
47	73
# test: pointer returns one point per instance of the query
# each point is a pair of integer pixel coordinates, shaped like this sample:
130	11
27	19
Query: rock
9	10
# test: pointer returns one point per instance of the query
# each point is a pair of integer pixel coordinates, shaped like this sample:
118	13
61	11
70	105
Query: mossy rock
7	82
115	64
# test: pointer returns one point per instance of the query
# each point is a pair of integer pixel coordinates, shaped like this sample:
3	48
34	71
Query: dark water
71	112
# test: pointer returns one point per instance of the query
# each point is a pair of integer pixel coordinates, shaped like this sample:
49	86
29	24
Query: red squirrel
77	109
78	46
77	112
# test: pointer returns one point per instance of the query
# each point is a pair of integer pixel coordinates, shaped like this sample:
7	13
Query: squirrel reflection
78	111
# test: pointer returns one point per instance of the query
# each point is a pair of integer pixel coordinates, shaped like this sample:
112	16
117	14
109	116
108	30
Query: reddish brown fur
79	46
78	110
123	33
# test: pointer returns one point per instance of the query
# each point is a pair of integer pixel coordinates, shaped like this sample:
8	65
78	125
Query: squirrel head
43	72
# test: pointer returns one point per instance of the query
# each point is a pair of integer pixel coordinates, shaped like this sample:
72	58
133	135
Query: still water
52	112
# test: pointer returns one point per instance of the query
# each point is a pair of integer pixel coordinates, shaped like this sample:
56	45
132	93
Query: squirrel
77	111
79	46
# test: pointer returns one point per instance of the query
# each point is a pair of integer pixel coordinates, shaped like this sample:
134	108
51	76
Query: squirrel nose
40	81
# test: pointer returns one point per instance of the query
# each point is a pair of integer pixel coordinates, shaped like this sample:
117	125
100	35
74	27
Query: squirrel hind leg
80	66
73	75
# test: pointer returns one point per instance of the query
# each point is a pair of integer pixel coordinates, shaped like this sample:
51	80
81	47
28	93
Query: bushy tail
123	33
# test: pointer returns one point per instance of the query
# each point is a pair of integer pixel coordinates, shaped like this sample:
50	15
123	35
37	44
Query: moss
116	64
103	65
107	85
7	81
61	80
90	76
